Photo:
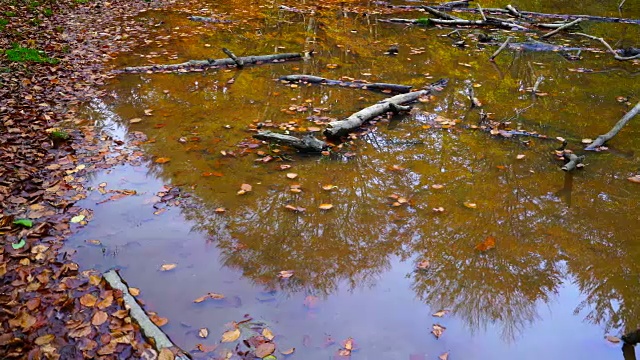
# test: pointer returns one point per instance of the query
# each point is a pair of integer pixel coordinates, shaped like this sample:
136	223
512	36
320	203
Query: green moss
47	12
22	54
59	136
9	14
3	24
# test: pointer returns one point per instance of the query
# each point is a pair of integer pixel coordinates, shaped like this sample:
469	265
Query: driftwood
565	26
307	143
230	54
211	63
616	54
573	161
159	339
616	128
352	84
393	104
208	20
566	17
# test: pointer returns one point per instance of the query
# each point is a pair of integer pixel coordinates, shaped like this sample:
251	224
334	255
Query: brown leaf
44	339
267	334
285	274
440	313
167	267
159	321
424	264
488	244
635	179
288	351
162	160
265	349
134	291
206	348
88	300
166	354
444	356
99	318
438	330
107	301
81	331
33	303
231	335
612	339
325	206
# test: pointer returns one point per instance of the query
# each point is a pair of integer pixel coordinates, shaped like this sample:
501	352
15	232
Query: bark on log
307	143
573	161
149	329
343	127
616	128
352	84
211	63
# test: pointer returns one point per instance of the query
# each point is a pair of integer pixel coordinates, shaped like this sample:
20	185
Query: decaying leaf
203	333
288	351
231	335
612	339
488	244
244	188
167	267
88	300
166	354
437	330
265	349
440	313
285	274
44	339
162	160
99	318
267	334
213	296
325	206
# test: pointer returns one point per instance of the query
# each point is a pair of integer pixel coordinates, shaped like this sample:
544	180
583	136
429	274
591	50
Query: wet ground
565	268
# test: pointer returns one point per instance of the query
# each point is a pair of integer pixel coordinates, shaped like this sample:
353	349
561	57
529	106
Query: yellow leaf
99	318
329	187
163	160
134	291
288	351
470	205
292	175
231	335
44	339
167	267
325	206
267	333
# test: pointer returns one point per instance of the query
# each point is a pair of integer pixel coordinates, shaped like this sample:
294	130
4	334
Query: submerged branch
352	84
616	128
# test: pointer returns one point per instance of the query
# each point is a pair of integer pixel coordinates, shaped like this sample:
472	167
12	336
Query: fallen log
393	104
566	17
600	140
151	331
238	61
456	22
307	143
192	65
208	20
352	84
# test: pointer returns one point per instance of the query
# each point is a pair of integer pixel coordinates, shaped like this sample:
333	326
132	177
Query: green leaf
270	357
77	218
24	222
19	245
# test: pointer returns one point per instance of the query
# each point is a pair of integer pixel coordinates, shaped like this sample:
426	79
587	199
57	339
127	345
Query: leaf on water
246	188
206	348
288	351
220	210
285	274
440	313
488	244
349	344
159	321
325	206
134	291
424	264
587	141
634	179
270	357
470	205
438	209
437	186
213	296
292	175
77	218
203	333
99	318
520	156
396	168
231	335
88	300
437	330
148	112
19	245
265	349
162	160
135	120
444	356
94	242
612	339
295	208
284	167
23	222
166	354
267	334
167	267
329	187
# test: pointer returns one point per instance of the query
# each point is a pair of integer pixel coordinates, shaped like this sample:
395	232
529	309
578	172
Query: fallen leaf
166	354
520	156
159	321
488	244
203	333
444	356
612	339
438	209
88	300
231	335
162	160
135	120
348	344
634	179
267	334
329	187
77	218
167	267
470	205
292	175
325	206
288	351
438	330
285	274
284	167
19	245
440	313
99	318
437	186
134	291
23	222
44	339
424	264
587	141
265	349
220	210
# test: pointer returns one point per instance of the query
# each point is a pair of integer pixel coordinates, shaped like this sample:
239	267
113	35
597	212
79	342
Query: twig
538	82
568	25
482	13
239	62
513	11
621	3
440	14
502	47
616	128
606	44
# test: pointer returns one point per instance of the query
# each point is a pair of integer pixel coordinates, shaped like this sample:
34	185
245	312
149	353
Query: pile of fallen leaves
52	59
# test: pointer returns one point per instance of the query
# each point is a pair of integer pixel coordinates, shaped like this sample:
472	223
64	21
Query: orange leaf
88	300
99	318
325	206
487	244
163	160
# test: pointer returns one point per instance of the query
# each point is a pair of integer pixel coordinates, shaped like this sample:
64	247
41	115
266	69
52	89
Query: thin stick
568	25
502	47
606	44
616	128
482	13
537	84
621	3
513	11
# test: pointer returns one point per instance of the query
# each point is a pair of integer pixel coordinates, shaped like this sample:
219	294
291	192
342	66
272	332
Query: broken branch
567	25
500	49
616	128
606	44
307	143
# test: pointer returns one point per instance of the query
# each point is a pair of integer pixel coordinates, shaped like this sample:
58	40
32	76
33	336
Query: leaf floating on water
19	245
444	356
635	179
267	334
203	333
295	208
288	351
284	167
167	267
220	210
244	188
329	187
163	160
77	218
325	206
134	291
424	264
270	357
520	156
440	313
265	349
159	321
148	112
438	209
587	141
438	330
213	296
292	175
470	205
285	274
488	244
231	335
94	242
612	339
135	120
437	186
